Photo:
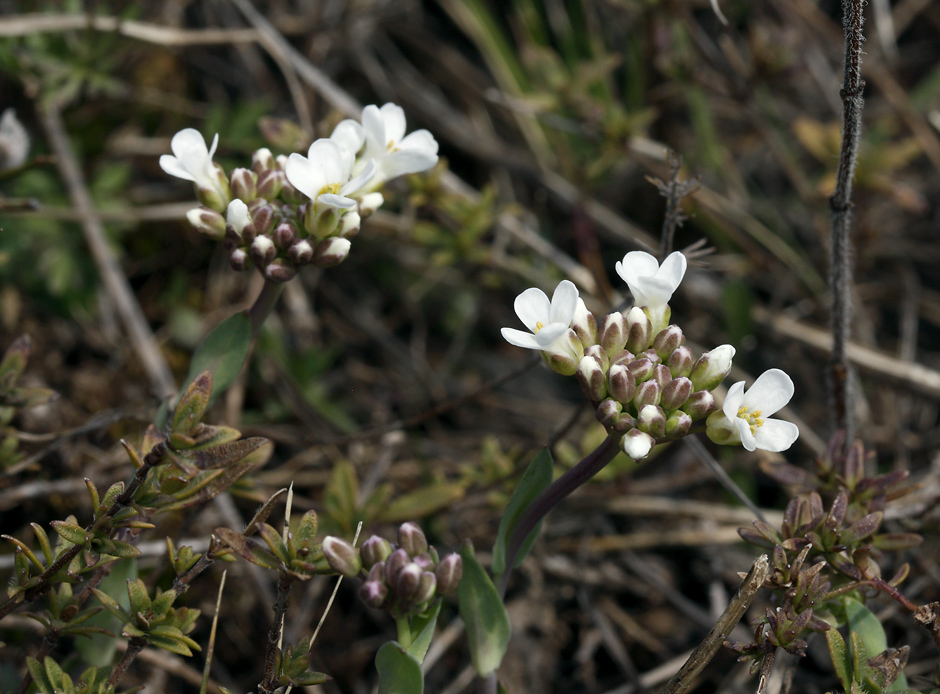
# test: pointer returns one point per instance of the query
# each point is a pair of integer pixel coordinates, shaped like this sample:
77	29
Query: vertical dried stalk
840	203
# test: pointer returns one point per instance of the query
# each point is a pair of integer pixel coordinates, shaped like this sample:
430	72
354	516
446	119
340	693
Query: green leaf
422	631
99	649
222	352
534	481
71	532
39	674
422	502
399	671
192	403
341	496
484	615
865	623
841	660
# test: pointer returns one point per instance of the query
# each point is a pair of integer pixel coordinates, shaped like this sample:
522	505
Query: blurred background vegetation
384	384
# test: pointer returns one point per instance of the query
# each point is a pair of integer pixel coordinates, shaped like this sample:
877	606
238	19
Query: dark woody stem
134	646
269	684
552	495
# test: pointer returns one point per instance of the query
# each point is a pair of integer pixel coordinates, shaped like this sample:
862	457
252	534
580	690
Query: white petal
637	264
673	270
519	338
420	140
733	400
237	214
744	431
405	162
776	435
329	157
215	143
533	307
771	391
188	140
339	201
359	182
304	175
547	335
373	127
394	117
564	303
174	167
348	133
651	291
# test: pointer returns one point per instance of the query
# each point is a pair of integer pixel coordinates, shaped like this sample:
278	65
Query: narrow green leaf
422	631
70	531
99	649
399	671
841	661
534	481
422	502
39	674
484	615
192	403
222	352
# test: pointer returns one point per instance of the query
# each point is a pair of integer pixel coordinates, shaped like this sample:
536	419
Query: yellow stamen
333	188
752	418
538	326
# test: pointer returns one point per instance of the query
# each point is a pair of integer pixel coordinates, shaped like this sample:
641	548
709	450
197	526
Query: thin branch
840	203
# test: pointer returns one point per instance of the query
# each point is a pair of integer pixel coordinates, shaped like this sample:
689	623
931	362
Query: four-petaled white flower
192	161
547	320
324	174
652	284
749	412
395	153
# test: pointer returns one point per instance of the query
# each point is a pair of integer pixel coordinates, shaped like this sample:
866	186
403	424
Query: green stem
263	305
404	632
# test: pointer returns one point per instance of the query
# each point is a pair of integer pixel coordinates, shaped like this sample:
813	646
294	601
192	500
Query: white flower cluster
637	372
289	211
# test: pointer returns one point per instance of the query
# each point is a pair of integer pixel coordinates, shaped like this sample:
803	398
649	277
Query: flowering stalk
556	491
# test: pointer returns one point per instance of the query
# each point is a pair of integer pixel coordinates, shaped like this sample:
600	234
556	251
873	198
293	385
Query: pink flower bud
330	252
676	393
279	271
661	375
608	411
699	405
591	379
612	332
262	250
652	420
342	556
374	550
373	594
642	369
244	184
411	539
270	183
407	581
301	253
668	339
396	560
647	393
680	362
207	222
284	235
261	160
449	572
427	587
238	259
598	353
639	330
678	424
621	383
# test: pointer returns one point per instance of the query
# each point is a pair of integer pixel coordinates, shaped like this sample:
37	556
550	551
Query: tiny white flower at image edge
546	320
191	159
749	412
652	284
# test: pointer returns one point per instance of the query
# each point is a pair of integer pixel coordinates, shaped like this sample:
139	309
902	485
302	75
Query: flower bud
612	333
585	325
374	550
280	271
449	572
622	357
639	330
620	383
411	539
592	380
652	420
598	353
373	593
261	160
237	217
651	355
712	367
301	253
342	556
427	587
676	392
262	250
270	183
668	339
280	162
407	581
349	225
678	424
330	252
396	560
608	411
564	354
216	193
647	393
238	259
699	404
325	221
244	184
661	375
642	369
369	203
637	444
425	561
624	423
680	362
284	235
263	219
721	430
207	222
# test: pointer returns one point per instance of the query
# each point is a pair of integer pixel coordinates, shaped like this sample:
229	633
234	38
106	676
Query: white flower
546	320
749	412
192	161
637	444
237	215
712	367
395	153
652	284
324	174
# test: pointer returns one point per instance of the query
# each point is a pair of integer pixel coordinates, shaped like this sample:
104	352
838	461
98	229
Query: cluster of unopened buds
634	367
289	211
405	579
